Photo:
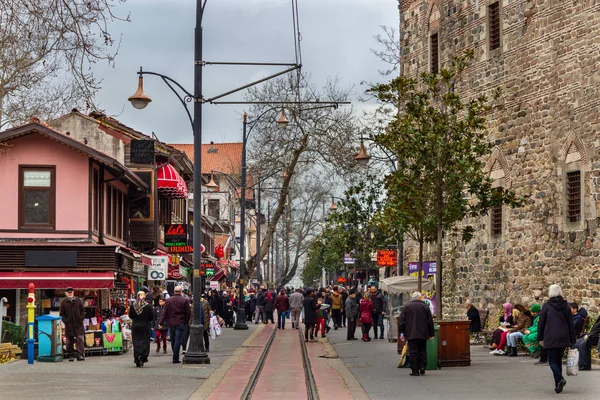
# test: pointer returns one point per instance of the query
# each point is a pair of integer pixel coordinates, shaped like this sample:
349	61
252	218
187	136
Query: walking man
282	305
72	313
416	324
177	312
260	306
296	306
379	305
351	312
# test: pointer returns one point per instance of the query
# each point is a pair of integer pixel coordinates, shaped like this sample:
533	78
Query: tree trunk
266	241
438	264
420	267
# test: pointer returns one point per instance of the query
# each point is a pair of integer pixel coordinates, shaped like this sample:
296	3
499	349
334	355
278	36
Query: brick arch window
433	38
575	163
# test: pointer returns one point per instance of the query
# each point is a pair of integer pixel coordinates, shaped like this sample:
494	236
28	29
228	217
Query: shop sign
175	272
387	258
158	270
141	151
185	249
210	271
349	258
181	249
428	272
138	267
175	235
214	285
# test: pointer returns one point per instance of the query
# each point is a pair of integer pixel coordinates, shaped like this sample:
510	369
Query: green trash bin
432	349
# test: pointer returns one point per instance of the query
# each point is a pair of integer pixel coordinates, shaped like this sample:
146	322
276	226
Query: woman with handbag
556	332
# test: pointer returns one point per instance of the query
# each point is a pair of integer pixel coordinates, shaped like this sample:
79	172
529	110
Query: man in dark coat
310	306
177	313
260	305
585	345
379	304
556	332
72	313
473	316
416	325
351	312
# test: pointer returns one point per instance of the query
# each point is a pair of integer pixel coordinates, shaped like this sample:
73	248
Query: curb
332	358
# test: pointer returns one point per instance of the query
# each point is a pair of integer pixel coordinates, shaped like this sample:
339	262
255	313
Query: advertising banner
158	271
429	270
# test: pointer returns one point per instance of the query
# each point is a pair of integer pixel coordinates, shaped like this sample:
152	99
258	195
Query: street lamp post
196	353
241	313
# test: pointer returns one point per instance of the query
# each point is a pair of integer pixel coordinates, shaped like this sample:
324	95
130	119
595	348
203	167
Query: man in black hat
351	312
72	313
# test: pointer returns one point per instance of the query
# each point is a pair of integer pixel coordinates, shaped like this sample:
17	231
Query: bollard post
30	321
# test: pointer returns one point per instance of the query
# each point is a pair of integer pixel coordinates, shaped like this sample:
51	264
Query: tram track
311	388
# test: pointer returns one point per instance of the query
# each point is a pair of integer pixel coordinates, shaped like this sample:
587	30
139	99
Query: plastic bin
432	349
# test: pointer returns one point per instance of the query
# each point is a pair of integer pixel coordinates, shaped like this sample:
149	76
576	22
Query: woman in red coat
366	317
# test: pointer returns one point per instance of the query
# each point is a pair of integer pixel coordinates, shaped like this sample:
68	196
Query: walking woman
269	307
142	315
367	308
556	332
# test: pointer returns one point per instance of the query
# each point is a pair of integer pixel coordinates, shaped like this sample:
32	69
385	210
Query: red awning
57	280
219	275
170	183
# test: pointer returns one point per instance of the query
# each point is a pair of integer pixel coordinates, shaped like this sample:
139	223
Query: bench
482	336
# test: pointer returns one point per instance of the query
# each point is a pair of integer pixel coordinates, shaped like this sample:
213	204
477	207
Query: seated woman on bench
530	337
506	320
522	318
524	321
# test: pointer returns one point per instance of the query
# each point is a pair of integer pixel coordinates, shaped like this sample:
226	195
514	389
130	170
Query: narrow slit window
574	196
496	215
434	49
494	25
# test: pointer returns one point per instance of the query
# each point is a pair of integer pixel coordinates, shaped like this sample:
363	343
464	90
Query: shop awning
57	280
170	183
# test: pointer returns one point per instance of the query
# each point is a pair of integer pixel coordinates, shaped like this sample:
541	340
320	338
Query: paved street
488	377
115	377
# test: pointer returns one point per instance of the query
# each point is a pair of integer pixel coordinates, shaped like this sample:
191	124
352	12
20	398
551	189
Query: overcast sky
337	38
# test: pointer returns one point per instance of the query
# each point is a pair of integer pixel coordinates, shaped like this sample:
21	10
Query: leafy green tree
356	216
440	142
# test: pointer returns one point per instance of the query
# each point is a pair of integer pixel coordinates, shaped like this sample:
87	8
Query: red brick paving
235	381
283	373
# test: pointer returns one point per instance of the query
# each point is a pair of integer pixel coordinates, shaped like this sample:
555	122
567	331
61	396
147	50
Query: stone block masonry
545	129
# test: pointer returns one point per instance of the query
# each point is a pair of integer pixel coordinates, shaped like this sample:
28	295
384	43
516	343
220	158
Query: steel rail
247	394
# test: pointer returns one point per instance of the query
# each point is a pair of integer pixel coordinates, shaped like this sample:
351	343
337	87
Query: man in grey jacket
351	309
296	306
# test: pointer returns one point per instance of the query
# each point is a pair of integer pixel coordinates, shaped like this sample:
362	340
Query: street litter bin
49	338
432	349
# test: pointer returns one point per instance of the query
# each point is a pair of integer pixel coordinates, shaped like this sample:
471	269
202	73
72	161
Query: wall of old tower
545	129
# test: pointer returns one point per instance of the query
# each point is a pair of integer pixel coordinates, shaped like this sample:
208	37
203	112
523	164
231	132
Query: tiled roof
223	157
221	240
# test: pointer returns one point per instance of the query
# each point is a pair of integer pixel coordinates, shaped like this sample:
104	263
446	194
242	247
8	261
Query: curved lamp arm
170	82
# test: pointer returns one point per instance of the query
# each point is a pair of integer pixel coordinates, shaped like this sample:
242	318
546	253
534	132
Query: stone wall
546	125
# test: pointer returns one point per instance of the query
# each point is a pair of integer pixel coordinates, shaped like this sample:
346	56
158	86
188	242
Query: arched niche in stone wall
498	169
573	150
434	17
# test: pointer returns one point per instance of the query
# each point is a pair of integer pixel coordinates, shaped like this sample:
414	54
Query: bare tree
320	139
302	218
47	48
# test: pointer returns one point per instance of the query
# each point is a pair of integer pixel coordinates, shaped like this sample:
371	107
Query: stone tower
545	55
